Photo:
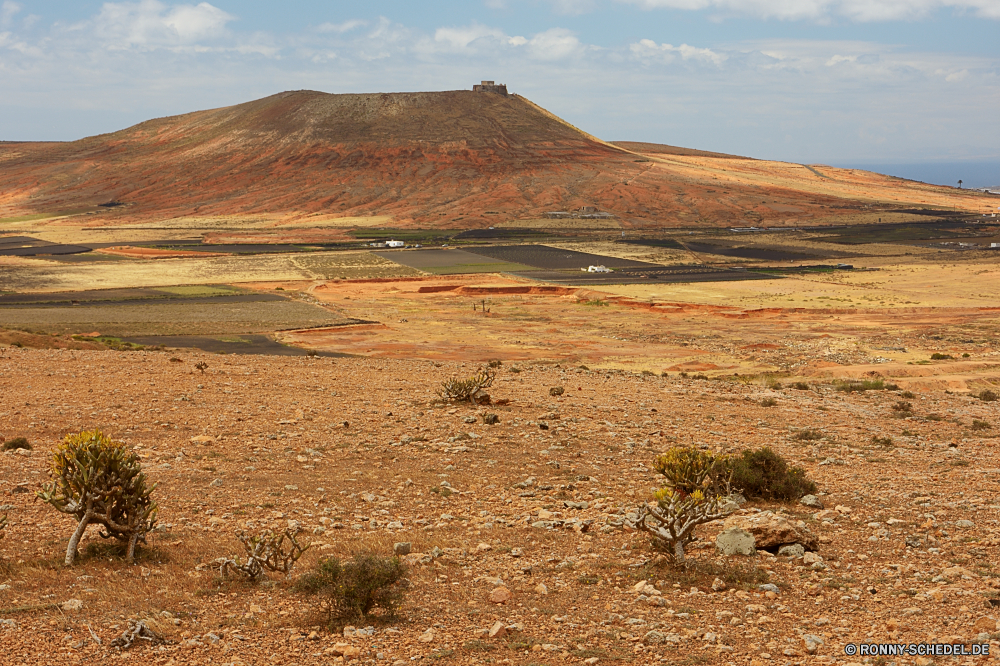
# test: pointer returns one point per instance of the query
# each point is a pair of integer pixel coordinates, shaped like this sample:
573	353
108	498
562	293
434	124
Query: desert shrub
470	389
97	480
903	408
909	395
695	491
768	402
356	589
491	419
940	357
859	386
201	365
772	383
764	474
16	443
700	376
266	550
556	390
987	396
800	386
807	435
978	424
495	363
883	442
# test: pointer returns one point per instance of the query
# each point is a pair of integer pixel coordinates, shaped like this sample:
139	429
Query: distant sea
972	174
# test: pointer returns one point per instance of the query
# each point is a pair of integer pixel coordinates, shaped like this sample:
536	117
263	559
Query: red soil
438	160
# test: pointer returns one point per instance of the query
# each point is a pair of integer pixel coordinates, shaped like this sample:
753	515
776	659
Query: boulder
811	501
771	530
792	550
735	541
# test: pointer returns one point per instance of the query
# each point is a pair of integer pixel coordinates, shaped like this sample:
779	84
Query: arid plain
273	370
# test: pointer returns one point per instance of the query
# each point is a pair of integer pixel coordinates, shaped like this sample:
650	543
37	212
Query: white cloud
7	12
822	10
553	44
573	7
341	28
152	24
646	49
460	38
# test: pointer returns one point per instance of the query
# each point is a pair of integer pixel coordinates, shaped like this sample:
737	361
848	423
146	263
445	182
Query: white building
598	269
395	243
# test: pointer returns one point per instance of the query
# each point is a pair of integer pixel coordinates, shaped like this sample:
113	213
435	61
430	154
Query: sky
844	82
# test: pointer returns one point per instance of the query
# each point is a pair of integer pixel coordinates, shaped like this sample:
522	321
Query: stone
812	642
769	587
811	501
216	483
987	624
771	530
427	636
71	605
541	589
402	548
718	585
654	638
792	550
964	524
498	630
811	558
8	624
841	509
500	595
590	661
204	440
735	541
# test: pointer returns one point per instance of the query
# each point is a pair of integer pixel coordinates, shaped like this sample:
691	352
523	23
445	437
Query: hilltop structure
490	86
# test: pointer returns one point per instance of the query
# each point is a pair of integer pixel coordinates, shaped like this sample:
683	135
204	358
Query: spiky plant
469	389
695	491
99	481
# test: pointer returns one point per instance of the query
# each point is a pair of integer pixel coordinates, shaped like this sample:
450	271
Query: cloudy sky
833	81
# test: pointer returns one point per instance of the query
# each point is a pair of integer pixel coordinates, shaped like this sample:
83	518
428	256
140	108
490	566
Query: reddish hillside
426	159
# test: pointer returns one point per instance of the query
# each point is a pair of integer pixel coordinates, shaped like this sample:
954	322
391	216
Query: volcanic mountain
443	159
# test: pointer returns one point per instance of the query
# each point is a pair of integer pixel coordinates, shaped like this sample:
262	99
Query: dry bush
469	389
266	550
695	491
97	480
355	589
987	396
764	474
16	443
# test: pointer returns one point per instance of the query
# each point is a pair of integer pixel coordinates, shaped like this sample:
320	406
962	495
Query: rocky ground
520	547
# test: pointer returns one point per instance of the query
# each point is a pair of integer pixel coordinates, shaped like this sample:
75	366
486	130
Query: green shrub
941	357
764	474
97	480
356	589
695	491
16	443
978	424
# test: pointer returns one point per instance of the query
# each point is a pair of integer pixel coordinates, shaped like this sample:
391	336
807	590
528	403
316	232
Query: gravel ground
357	452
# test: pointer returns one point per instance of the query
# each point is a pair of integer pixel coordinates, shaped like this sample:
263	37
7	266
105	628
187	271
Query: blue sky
832	81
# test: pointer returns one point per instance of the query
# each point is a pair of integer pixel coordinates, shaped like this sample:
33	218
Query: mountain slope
425	159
